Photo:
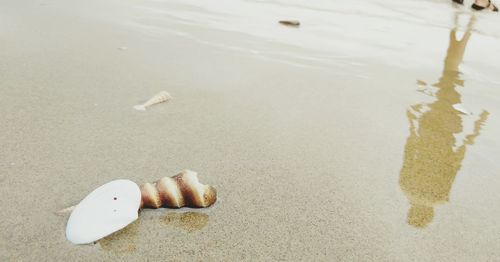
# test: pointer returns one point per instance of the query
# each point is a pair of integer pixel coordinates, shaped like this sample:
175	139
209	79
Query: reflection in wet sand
432	158
189	221
123	241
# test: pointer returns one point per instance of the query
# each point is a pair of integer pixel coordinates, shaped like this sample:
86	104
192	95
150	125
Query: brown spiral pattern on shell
178	191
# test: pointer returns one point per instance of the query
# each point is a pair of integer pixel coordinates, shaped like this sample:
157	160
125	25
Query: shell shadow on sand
123	241
188	221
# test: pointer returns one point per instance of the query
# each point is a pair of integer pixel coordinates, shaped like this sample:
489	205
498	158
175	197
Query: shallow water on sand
370	132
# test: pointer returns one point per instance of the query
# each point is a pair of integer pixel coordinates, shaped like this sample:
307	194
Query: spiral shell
163	96
178	191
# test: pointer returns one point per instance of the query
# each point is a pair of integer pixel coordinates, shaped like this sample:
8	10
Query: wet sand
334	141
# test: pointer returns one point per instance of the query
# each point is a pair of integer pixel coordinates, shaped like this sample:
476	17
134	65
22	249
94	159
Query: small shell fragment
460	108
295	23
161	97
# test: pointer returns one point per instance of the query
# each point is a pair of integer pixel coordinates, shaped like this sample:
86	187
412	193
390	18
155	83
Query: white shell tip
64	211
140	108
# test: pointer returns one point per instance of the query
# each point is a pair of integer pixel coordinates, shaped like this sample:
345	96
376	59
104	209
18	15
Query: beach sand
319	139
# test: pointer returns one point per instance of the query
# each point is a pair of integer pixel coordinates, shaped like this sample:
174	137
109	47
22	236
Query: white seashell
158	98
104	211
